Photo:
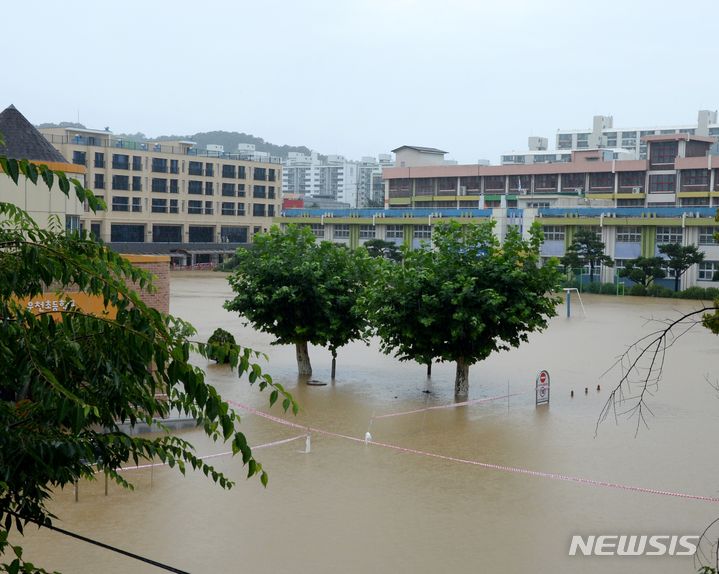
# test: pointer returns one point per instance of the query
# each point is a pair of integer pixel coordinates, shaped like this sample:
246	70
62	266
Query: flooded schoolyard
355	508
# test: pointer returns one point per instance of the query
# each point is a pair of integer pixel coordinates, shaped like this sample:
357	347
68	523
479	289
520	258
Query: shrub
228	264
638	290
659	291
219	337
608	289
570	284
712	292
595	287
694	293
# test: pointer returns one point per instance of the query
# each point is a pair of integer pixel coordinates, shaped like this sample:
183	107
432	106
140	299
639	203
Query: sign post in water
542	388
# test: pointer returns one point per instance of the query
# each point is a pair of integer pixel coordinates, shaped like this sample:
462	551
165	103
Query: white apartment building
603	134
354	182
623	143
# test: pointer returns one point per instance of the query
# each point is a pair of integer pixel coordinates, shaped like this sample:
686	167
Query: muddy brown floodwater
354	508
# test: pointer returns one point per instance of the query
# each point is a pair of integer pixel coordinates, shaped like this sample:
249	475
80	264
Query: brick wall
159	266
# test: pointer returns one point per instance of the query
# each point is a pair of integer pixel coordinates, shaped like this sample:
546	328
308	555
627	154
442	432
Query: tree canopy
70	379
382	248
464	298
586	248
301	291
643	270
680	258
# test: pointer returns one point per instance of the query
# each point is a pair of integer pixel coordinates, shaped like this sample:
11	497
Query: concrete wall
40	202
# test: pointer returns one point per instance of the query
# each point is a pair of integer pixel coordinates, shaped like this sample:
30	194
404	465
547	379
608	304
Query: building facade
679	171
626	232
604	134
171	197
45	206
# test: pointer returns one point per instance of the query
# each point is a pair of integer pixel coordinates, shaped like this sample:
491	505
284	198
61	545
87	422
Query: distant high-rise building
624	143
335	177
604	134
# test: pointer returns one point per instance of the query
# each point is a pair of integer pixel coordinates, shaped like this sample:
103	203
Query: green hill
229	140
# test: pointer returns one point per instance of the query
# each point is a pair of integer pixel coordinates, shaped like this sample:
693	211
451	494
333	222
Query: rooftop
677	137
420	149
23	140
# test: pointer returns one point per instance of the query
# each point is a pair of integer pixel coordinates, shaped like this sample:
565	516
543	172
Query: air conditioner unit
636	189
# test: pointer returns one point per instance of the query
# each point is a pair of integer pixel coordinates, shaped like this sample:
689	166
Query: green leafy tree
382	248
586	248
69	379
680	258
346	276
643	270
301	291
217	343
465	298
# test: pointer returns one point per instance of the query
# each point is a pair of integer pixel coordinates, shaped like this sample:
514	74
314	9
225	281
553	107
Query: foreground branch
641	368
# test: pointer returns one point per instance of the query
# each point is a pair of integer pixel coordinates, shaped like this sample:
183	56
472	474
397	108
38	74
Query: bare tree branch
641	367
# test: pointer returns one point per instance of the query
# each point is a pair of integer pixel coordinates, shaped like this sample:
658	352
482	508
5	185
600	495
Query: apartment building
539	152
334	177
679	172
171	197
604	134
24	141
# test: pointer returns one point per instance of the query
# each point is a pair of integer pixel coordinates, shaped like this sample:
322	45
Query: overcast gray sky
360	77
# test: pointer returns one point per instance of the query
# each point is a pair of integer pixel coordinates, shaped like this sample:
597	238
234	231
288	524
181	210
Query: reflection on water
347	507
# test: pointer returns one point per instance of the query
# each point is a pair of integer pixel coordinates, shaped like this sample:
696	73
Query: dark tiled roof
23	141
420	149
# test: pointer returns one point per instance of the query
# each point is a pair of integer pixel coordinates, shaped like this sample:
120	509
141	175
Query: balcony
108	142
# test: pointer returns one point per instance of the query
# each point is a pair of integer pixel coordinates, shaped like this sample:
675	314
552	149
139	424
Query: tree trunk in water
461	382
429	369
303	358
334	364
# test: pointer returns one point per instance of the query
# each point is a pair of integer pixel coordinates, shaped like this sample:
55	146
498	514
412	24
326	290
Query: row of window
194	187
163	165
342	231
135	233
707	271
691	180
624	234
195	207
633	234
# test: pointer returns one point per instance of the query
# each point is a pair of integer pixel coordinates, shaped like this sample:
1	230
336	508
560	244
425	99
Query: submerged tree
465	298
586	248
346	276
680	258
301	291
69	379
643	270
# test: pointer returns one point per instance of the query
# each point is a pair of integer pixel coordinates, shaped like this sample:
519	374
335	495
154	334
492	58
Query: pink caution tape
450	406
207	456
503	468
